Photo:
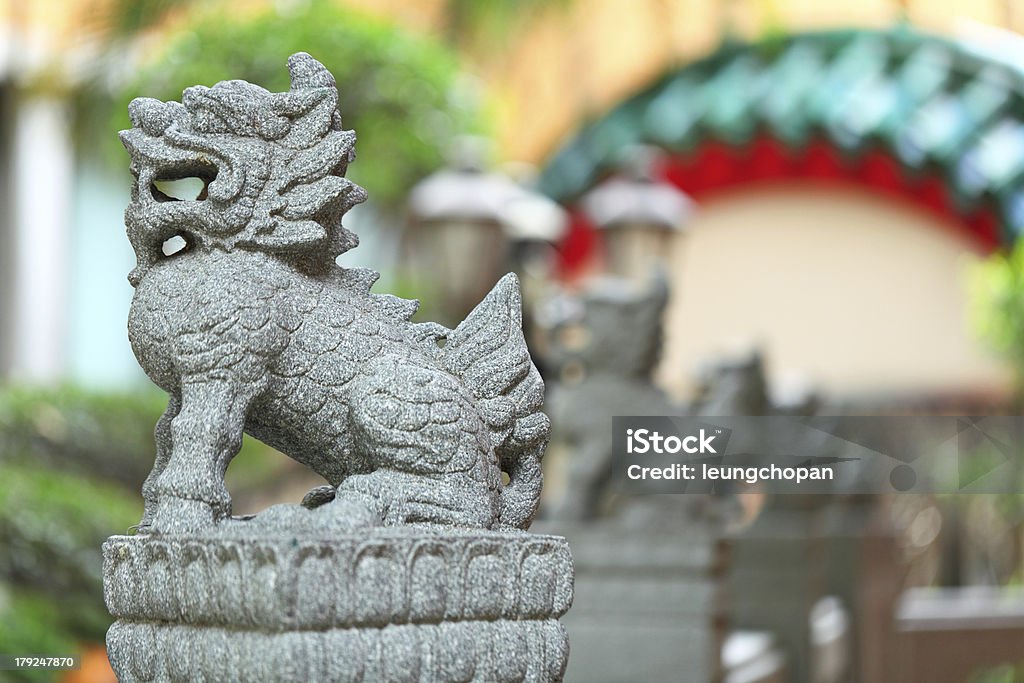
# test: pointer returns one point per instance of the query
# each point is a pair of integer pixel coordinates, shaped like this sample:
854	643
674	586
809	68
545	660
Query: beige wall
861	293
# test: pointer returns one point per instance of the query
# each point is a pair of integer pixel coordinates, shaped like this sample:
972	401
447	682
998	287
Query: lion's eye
192	188
174	245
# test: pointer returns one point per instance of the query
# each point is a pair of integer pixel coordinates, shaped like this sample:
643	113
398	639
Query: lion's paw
317	496
353	509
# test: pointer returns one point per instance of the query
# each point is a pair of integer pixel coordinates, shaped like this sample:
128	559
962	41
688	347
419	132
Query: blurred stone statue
602	346
413	562
734	385
647	594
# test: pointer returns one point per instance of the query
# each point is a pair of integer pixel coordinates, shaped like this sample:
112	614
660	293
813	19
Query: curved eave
937	108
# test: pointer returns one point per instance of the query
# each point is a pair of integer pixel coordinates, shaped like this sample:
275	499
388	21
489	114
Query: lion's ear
313	82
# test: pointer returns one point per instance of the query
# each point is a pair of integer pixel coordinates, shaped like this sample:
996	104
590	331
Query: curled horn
306	72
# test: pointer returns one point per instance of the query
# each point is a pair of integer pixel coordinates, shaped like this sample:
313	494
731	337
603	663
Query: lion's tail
488	352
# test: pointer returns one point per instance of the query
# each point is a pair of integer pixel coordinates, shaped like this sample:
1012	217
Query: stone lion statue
252	326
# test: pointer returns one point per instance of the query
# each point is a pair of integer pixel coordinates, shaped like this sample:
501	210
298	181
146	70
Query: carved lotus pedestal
387	604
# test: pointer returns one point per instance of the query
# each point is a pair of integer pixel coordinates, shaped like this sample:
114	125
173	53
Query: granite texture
413	563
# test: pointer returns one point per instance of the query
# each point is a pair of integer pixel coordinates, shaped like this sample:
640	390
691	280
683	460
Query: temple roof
934	105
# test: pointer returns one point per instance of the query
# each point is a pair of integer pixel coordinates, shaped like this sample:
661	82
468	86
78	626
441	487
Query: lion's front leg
205	435
163	454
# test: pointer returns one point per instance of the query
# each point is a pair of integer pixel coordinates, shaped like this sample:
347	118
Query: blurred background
715	207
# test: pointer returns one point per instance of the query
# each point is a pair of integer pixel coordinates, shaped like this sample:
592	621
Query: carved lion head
272	165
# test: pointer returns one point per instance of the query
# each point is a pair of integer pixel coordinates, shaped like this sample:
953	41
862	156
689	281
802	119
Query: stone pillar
649	603
778	576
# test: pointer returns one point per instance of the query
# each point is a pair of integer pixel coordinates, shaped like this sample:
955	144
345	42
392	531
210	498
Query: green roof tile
932	102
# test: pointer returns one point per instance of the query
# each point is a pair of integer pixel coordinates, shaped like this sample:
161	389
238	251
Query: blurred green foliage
51	527
997	297
71	465
133	16
1002	674
102	435
996	294
30	622
402	93
44	516
488	26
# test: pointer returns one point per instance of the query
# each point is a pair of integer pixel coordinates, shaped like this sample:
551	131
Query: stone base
388	604
648	603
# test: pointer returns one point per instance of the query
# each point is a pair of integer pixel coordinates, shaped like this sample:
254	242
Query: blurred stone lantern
469	226
638	215
533	224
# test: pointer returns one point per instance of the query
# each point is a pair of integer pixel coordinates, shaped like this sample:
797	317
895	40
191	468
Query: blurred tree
71	464
106	436
129	17
109	436
401	93
51	527
997	295
1007	673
